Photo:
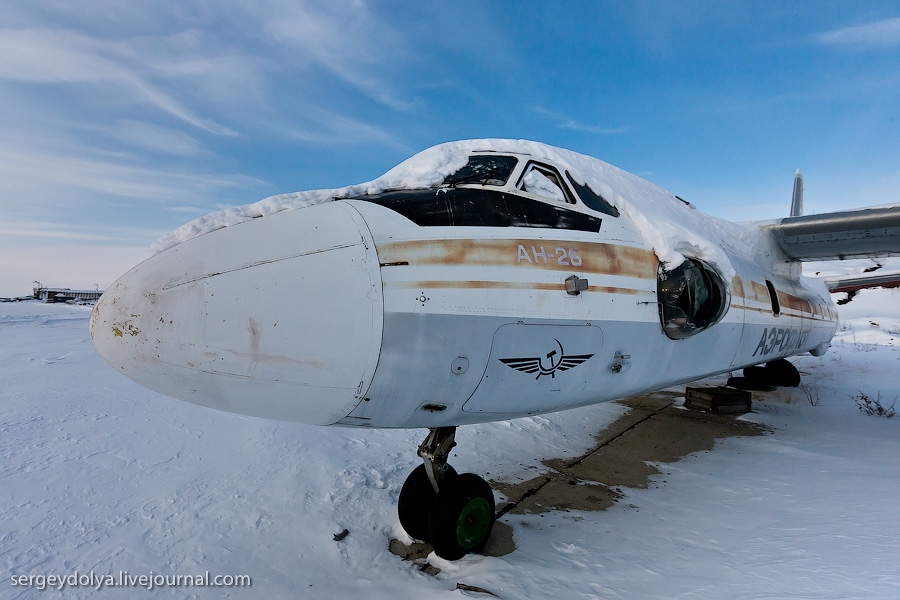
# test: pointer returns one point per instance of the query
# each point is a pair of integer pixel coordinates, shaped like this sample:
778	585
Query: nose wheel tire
461	517
416	499
453	512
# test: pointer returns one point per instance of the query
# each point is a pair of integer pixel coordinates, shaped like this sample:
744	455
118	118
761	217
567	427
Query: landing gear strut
453	512
776	373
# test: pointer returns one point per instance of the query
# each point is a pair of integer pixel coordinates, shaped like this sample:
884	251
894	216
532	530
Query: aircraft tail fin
797	198
862	233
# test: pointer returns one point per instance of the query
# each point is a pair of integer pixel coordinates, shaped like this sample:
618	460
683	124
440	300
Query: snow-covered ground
99	475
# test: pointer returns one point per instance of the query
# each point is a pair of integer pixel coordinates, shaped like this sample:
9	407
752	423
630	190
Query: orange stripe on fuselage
588	257
509	285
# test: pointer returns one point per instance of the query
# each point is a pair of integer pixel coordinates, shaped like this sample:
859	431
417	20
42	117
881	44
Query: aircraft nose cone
279	317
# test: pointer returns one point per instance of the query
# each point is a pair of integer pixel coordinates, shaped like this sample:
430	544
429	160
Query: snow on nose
279	317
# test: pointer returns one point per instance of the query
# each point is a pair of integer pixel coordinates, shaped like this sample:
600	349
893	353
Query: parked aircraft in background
478	281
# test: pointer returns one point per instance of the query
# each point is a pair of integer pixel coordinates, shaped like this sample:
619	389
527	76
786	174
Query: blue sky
120	121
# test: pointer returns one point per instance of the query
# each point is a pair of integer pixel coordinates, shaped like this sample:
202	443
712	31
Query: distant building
66	295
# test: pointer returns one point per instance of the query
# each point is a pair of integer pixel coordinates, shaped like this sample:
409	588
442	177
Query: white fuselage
349	313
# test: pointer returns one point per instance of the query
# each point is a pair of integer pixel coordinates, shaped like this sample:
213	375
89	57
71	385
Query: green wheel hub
473	523
461	517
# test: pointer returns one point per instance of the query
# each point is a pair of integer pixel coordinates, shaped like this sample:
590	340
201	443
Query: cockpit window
484	169
544	181
536	182
691	298
593	200
481	207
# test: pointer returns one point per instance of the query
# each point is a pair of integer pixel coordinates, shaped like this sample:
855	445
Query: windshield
486	169
477	207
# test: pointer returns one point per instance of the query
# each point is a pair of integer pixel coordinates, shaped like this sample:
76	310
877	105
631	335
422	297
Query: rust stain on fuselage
257	356
121	330
793	302
737	287
508	285
790	304
759	292
590	257
253	328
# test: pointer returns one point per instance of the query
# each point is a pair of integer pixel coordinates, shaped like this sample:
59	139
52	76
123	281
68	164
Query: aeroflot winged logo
549	364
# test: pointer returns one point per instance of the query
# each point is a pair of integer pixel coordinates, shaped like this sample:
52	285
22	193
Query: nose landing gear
453	512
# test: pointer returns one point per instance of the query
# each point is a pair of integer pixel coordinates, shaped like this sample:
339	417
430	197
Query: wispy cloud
878	34
332	128
158	139
348	40
80	233
190	210
48	56
35	173
564	122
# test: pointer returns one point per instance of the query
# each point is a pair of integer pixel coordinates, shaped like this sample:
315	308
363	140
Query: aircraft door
536	368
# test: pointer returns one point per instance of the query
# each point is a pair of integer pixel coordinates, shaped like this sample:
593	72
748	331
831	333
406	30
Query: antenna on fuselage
797	199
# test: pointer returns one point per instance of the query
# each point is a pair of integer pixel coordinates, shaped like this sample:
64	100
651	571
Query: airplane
477	281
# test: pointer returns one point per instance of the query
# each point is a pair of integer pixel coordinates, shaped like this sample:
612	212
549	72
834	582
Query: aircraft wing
854	283
865	233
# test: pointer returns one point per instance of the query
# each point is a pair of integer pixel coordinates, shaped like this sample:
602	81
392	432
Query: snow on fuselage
489	297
